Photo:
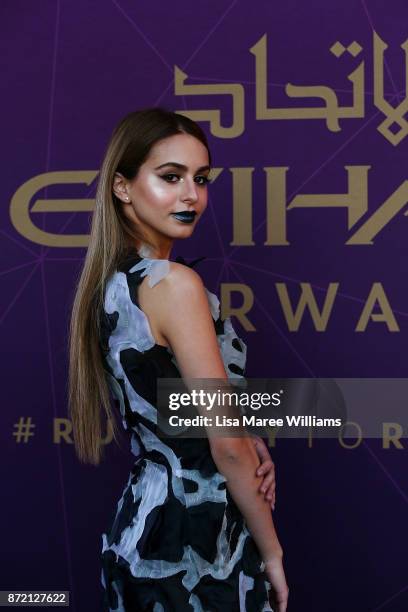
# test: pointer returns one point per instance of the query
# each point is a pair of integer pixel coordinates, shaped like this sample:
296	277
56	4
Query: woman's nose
189	189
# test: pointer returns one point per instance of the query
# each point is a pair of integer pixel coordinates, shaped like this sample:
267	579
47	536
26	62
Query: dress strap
155	269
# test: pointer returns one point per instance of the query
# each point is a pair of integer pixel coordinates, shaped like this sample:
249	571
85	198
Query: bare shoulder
177	281
181	280
184	319
179	298
180	294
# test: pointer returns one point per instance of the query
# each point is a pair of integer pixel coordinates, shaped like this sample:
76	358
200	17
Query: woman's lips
186	216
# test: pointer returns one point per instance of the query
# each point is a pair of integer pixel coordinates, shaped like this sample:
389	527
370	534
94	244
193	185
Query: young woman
193	529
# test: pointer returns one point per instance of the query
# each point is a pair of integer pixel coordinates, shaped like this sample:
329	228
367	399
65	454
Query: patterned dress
178	542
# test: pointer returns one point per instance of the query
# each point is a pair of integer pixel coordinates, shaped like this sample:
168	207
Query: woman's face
172	180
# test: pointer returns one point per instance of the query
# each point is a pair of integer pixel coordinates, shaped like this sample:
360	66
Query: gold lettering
272	432
242	206
307	298
20	213
392	432
382	216
276	206
356	200
62	428
395	115
377	294
235	90
226	308
359	435
331	111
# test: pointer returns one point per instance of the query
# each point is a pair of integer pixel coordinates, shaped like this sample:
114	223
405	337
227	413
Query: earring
127	198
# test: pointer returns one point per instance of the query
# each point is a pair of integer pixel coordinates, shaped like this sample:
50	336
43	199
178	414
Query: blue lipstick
185	216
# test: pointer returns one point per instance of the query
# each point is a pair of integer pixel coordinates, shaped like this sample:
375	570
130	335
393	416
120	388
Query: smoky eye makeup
206	179
168	177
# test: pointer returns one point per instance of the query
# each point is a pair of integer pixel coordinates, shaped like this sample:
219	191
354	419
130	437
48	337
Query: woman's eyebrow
182	166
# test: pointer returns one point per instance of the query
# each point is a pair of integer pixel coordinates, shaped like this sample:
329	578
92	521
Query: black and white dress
177	542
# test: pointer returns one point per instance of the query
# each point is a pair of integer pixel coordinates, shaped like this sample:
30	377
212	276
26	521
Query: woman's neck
146	251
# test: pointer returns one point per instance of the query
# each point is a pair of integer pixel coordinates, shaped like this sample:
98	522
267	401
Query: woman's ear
120	187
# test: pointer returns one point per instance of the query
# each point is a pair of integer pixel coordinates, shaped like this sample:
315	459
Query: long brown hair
111	234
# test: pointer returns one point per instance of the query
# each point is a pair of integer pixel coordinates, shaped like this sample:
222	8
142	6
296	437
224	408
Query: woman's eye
205	180
166	176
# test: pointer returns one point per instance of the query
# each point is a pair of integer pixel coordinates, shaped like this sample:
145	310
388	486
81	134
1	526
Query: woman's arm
238	465
180	309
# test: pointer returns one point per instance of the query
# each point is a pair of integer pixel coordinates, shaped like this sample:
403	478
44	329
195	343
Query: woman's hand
278	596
267	470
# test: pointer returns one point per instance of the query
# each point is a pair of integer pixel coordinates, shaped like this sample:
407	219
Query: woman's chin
184	230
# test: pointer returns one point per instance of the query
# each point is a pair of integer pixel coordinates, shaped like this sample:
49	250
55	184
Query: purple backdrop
70	72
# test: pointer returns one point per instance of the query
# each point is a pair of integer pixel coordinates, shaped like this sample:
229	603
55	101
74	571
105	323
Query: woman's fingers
262	452
266	466
267	470
268	484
